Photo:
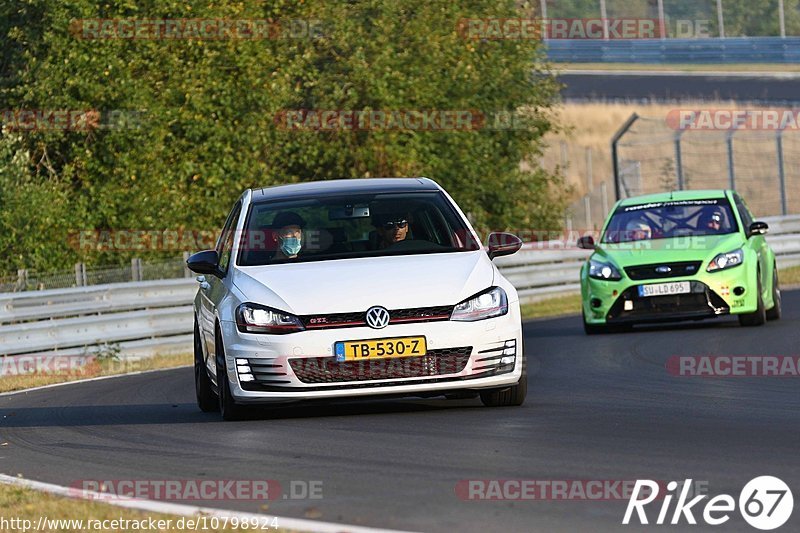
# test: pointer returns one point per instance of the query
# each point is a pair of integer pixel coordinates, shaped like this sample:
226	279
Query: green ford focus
685	255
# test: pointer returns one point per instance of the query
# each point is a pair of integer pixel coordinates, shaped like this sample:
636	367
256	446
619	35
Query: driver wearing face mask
288	235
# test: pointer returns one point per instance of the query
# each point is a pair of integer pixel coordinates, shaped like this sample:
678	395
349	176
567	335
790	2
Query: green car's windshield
664	220
318	229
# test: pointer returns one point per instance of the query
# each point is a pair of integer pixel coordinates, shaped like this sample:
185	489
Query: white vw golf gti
354	288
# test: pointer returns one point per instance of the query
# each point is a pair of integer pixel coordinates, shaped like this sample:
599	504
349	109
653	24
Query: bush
202	116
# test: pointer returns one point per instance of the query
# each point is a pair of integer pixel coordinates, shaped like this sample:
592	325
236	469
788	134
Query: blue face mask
290	246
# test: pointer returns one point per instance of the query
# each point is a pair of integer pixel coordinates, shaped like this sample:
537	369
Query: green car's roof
675	195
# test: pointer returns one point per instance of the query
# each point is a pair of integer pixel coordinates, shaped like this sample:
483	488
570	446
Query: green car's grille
663	270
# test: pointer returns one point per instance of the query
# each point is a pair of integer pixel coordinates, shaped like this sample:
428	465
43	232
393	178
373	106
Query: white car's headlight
488	304
254	318
605	271
726	260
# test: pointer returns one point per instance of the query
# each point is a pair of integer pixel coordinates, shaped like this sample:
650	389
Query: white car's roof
344	186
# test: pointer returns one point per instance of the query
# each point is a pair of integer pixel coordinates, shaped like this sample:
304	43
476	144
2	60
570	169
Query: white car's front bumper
302	366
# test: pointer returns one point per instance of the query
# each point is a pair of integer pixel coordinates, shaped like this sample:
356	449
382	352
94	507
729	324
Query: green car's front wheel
759	316
591	329
597	329
775	312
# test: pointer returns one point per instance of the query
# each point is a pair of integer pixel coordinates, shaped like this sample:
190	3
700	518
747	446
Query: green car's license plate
665	289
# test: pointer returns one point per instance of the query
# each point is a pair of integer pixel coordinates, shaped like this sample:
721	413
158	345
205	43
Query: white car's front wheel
508	396
206	399
228	407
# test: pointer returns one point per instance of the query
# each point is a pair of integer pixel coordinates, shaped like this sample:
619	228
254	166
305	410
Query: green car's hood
702	248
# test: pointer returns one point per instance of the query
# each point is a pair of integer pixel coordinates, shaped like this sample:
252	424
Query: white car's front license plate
665	289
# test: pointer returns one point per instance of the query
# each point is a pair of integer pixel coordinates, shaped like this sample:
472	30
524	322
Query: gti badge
377	317
663	269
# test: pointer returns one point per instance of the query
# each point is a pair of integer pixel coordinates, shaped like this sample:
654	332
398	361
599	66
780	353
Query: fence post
22	279
782	17
80	275
589	172
781	171
604	18
731	170
587	208
679	160
615	155
604	197
662	23
720	20
544	24
186	272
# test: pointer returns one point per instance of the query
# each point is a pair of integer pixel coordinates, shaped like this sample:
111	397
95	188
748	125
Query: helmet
711	216
639	230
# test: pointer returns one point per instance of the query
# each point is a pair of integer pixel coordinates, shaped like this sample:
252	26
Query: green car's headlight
604	271
726	260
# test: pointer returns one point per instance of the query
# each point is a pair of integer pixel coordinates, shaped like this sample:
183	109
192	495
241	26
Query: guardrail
728	50
148	317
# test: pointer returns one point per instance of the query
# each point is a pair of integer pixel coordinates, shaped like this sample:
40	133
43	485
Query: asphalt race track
677	87
599	408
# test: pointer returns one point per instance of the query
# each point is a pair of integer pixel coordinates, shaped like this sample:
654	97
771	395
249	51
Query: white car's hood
350	285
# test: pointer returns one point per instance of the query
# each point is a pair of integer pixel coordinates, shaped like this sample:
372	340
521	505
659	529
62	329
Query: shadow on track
187	413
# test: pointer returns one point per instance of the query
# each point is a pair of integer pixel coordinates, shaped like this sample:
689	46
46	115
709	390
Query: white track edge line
298	524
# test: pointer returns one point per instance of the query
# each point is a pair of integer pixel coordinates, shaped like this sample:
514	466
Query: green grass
569	304
26	504
727	67
789	276
103	367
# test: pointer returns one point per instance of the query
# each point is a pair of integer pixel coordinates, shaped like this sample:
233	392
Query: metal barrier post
781	171
731	170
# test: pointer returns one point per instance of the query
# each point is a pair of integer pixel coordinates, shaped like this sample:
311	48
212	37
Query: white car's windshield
664	220
313	229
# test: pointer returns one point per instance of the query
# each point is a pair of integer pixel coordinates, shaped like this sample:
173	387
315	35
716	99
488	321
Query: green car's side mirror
758	228
586	243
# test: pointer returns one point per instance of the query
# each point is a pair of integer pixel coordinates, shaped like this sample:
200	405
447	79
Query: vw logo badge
663	269
377	317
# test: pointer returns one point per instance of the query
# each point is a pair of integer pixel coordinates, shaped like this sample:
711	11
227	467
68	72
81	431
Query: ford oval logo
377	317
663	269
